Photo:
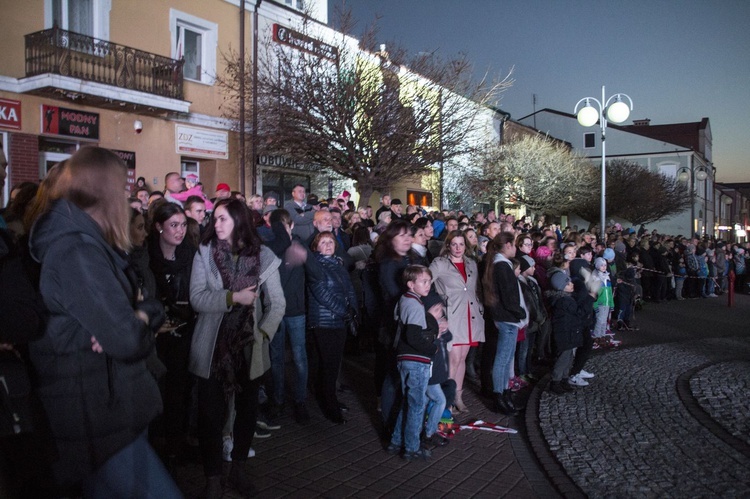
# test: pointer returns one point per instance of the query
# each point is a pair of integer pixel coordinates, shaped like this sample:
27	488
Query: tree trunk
365	190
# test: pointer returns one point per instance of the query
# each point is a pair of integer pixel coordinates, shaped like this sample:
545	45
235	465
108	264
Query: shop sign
70	122
299	41
128	157
10	114
201	142
275	161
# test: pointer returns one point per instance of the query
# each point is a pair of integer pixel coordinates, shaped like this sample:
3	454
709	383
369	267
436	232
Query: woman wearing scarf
229	350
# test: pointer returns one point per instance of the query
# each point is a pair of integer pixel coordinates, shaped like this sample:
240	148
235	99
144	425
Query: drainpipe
255	98
242	97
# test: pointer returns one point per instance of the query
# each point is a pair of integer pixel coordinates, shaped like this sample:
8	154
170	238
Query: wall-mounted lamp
138	126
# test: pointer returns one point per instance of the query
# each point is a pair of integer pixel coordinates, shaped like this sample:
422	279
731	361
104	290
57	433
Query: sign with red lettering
70	122
128	157
10	114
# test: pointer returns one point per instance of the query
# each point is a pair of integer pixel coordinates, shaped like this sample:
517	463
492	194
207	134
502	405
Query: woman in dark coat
331	304
171	261
92	377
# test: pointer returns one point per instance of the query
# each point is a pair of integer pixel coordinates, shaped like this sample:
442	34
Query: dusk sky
679	61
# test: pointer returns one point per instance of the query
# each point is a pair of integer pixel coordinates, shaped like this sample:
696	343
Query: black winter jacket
508	307
97	403
570	316
330	297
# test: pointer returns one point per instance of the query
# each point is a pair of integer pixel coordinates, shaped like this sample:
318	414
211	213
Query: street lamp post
692	173
614	110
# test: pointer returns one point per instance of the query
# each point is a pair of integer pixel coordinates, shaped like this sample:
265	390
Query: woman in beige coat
456	280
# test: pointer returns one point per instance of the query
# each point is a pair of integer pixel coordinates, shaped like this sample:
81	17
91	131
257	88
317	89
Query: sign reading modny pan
303	42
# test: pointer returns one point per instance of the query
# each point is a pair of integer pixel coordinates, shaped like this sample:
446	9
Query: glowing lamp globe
588	116
617	112
701	175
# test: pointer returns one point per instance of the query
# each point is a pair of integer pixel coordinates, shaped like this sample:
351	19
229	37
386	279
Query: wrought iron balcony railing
66	53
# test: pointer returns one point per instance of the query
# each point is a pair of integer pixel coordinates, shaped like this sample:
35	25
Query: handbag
15	395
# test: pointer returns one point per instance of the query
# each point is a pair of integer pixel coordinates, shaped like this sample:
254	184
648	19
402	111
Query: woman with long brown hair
456	280
504	301
90	363
230	346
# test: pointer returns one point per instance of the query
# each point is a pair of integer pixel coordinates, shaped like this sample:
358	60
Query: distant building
681	150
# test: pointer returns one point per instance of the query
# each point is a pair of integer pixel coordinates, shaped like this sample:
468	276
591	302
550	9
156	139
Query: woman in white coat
456	280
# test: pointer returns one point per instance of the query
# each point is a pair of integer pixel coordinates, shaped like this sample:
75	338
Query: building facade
680	150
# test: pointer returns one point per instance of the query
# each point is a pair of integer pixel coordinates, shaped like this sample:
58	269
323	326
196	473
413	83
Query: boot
502	406
213	488
508	396
240	481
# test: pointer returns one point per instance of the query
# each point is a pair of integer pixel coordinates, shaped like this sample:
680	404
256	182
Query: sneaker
577	380
420	453
226	451
393	449
228	445
435	440
261	433
266	423
585	374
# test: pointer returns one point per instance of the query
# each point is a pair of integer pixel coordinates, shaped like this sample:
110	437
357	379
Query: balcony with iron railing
61	52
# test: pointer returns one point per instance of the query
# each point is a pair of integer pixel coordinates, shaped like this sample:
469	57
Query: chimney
645	122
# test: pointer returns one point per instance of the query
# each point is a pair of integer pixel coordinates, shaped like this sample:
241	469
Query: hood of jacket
64	219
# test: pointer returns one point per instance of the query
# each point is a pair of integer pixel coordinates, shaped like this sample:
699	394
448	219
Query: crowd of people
161	324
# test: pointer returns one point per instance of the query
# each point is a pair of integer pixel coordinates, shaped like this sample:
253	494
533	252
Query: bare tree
638	195
537	171
375	116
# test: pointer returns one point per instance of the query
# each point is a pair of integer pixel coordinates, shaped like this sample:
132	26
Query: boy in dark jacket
570	315
415	349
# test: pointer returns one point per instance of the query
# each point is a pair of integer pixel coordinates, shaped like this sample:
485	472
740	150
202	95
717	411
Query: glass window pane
81	16
193	54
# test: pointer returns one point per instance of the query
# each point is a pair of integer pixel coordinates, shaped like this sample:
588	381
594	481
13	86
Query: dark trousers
212	414
330	345
582	353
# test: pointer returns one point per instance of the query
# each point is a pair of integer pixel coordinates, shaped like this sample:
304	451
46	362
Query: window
87	17
419	198
589	140
297	4
188	166
194	39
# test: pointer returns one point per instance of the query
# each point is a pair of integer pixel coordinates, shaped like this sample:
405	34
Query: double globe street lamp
615	110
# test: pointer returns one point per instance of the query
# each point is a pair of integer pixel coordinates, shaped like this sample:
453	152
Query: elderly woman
229	350
331	305
456	280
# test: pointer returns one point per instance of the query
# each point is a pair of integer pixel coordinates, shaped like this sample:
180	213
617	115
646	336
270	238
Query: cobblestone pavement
666	416
667	420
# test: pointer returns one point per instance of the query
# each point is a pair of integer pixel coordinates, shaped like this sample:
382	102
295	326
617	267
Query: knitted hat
483	239
395	201
600	261
223	187
559	280
526	263
609	254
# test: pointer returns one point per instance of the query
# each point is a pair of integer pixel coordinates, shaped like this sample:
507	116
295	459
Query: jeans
414	379
506	351
294	328
562	365
602	316
435	393
134	471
